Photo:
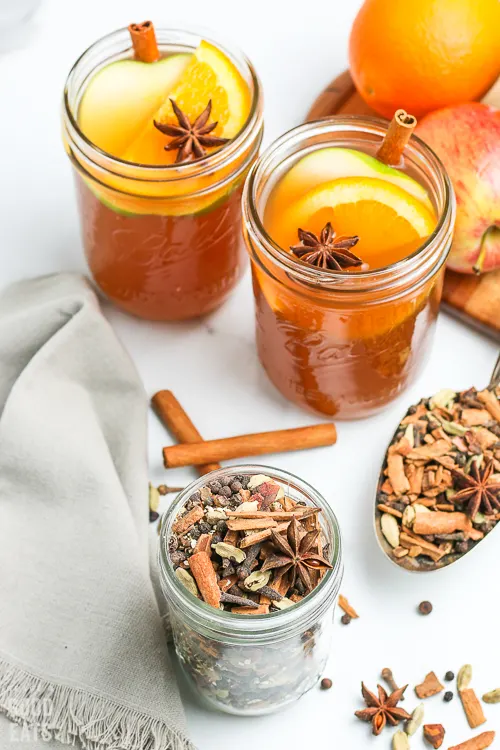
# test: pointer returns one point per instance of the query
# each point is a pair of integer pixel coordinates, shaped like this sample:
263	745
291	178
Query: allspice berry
425	608
345	619
326	683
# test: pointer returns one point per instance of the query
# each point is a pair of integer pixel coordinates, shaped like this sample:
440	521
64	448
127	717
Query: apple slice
326	164
121	97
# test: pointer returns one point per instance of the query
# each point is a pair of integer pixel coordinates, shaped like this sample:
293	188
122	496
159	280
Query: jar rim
340	280
157	173
256	625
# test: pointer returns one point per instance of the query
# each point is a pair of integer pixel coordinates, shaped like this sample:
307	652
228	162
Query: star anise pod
327	251
191	139
297	557
382	709
477	489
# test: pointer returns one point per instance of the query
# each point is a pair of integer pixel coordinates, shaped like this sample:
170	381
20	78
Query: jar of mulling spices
251	609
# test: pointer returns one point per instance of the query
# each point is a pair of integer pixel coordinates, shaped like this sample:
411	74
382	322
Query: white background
297	47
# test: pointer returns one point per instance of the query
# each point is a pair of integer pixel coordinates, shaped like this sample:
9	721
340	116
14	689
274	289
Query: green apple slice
121	97
326	164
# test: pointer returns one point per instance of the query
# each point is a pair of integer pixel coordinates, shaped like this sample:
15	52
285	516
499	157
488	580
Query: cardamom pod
416	720
187	580
492	697
283	603
154	498
464	677
400	741
390	529
223	549
443	398
257	579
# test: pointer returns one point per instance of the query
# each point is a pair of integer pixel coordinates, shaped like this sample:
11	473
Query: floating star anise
327	251
477	489
297	556
382	709
191	139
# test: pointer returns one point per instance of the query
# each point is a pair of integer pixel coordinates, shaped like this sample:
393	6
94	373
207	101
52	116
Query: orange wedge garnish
210	75
390	222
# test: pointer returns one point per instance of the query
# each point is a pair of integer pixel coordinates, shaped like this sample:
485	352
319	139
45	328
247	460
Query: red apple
466	138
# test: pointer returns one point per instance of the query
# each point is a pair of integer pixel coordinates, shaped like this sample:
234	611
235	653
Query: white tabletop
297	47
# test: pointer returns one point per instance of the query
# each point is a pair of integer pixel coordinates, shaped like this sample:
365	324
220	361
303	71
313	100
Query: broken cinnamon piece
203	543
445	507
346	607
260	536
407	537
247	524
396	474
434	734
474	417
415	475
296	598
491	402
184	523
226	583
472	708
430	452
262	609
232	537
430	686
400	552
415	551
392	511
205	577
278	515
441	523
480	742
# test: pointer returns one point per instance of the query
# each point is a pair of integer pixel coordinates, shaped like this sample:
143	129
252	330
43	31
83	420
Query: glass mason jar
163	243
251	665
336	343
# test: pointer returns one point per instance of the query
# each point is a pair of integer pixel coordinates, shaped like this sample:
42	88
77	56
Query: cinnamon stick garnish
440	522
398	134
144	41
278	441
177	421
481	742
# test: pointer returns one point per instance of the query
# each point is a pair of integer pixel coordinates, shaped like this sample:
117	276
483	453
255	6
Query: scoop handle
495	375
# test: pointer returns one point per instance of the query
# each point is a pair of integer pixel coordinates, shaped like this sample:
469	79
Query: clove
245	568
239	601
389	679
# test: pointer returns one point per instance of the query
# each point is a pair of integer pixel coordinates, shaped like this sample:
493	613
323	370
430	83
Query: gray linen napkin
82	649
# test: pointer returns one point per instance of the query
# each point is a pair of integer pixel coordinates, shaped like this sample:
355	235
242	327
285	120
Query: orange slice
390	222
209	75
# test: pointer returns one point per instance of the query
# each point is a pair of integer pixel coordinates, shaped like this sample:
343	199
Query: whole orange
422	55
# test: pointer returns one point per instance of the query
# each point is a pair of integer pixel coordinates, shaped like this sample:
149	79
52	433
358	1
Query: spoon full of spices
438	493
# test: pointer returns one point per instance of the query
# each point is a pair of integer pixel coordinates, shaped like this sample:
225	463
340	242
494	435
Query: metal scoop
399	524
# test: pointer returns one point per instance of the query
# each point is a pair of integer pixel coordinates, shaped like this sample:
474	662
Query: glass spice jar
161	242
251	665
337	343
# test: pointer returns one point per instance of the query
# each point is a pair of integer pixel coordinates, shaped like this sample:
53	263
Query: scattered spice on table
425	608
388	677
248	547
382	708
430	686
439	490
326	683
434	734
448	696
449	676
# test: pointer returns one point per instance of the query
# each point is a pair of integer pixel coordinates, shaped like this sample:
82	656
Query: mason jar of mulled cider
162	234
347	256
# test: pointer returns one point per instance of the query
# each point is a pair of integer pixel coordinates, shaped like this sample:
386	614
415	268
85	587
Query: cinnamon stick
177	421
441	522
202	569
480	742
300	438
144	41
398	134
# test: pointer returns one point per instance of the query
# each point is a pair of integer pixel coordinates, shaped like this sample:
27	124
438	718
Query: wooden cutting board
473	299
